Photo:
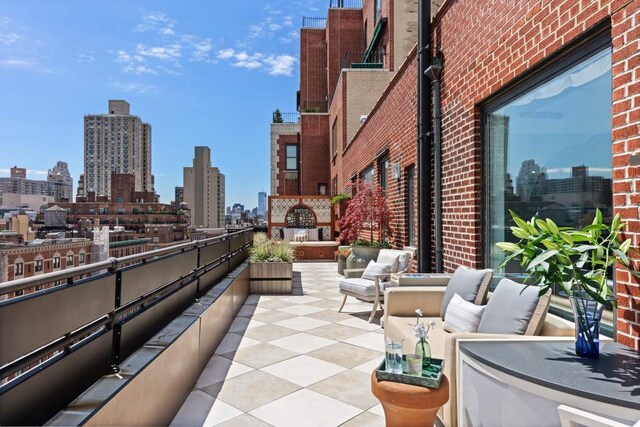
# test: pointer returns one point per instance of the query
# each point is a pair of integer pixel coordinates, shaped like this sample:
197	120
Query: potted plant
578	260
343	253
270	266
367	216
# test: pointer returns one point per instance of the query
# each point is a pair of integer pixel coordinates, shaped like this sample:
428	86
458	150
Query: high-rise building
204	190
179	195
262	204
116	142
60	182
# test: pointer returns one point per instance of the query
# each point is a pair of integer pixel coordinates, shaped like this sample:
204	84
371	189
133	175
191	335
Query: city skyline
161	59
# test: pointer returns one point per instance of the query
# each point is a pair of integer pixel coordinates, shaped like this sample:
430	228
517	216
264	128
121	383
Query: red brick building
540	114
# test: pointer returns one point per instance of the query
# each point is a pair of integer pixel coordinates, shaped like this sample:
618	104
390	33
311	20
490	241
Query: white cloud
170	52
37	172
287	21
86	57
226	53
158	22
17	63
9	38
201	50
135	87
280	65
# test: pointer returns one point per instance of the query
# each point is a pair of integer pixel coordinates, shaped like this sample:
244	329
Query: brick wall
344	38
314	153
286	186
313	66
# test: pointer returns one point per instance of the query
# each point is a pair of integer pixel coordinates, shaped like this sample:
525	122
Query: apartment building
16	190
535	109
204	191
116	142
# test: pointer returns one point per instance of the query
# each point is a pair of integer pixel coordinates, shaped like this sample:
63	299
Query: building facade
58	186
204	191
262	204
540	114
116	142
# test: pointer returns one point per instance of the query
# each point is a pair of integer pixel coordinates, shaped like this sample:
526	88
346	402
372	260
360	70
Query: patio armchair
373	290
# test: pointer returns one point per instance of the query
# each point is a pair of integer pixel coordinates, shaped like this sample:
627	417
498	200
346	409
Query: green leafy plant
339	197
277	116
265	250
575	259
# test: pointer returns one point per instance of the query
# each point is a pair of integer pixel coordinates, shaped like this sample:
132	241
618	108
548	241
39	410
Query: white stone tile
371	340
300	309
305	408
368	367
220	412
301	323
194	410
218	369
377	410
241	324
303	370
302	343
354	322
232	342
300	299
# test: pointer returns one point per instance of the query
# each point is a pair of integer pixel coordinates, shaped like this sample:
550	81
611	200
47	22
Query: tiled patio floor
293	361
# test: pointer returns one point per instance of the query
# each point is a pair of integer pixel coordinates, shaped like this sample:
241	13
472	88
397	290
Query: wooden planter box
271	277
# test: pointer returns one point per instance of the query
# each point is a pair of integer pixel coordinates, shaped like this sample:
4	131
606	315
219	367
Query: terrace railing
314	22
286	118
57	342
347	4
356	59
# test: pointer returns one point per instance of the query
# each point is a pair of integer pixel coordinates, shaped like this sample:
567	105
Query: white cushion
300	236
364	287
404	258
313	234
462	316
375	268
288	234
388	257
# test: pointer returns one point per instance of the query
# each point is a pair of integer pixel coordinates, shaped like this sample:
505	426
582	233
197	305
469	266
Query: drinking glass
393	355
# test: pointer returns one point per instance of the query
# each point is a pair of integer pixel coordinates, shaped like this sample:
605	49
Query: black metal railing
363	59
314	22
279	117
57	342
350	4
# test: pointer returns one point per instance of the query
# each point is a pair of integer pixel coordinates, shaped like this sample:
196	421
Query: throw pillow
470	284
288	234
375	268
300	236
388	257
313	234
514	309
462	316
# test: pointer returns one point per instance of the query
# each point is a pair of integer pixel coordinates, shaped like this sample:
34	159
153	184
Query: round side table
409	405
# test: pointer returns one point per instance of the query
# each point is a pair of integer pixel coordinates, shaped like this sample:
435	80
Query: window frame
20	269
287	157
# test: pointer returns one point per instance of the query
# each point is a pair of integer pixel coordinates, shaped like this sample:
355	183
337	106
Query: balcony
313	22
345	4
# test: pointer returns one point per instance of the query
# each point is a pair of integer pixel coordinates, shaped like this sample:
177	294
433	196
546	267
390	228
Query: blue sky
200	72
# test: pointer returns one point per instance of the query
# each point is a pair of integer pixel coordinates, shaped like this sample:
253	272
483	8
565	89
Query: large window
377	10
291	157
383	170
548	148
334	137
367	175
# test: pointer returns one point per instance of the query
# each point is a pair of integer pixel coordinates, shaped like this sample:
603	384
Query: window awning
376	34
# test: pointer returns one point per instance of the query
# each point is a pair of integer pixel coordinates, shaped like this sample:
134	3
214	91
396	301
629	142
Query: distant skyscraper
60	182
179	195
262	203
204	190
116	142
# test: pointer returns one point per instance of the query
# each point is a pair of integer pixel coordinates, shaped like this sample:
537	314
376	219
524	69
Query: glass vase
586	314
424	349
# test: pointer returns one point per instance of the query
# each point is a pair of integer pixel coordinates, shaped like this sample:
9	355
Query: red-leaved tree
367	208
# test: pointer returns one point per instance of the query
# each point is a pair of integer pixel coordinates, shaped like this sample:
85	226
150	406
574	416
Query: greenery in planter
339	197
575	259
367	211
265	250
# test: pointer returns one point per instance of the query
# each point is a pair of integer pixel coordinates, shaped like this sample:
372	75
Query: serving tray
430	377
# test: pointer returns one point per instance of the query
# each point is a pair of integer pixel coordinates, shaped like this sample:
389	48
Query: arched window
300	217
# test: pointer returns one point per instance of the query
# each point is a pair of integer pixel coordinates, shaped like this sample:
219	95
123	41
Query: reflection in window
548	152
383	166
367	175
411	206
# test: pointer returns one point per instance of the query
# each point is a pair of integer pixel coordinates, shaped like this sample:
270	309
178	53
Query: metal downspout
433	73
424	134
